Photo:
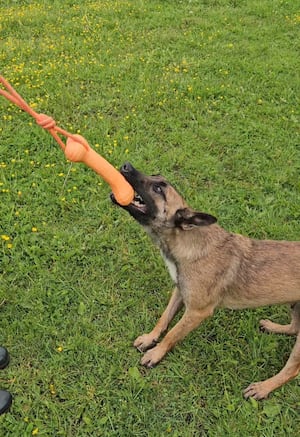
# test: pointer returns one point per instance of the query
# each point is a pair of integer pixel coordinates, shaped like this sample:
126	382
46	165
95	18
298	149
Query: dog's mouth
143	207
138	203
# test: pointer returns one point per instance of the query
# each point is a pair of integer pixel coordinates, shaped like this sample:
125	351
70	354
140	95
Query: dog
212	268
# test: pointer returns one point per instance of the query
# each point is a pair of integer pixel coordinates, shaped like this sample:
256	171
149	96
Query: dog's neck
178	245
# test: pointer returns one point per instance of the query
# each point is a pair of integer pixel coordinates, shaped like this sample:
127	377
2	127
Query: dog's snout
127	168
131	174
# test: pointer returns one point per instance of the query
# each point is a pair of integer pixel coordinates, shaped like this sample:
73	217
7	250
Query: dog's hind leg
261	390
147	341
291	329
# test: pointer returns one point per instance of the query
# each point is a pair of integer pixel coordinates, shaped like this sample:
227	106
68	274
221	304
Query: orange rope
42	120
76	148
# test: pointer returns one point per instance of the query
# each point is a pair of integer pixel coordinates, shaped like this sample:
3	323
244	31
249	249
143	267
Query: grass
204	92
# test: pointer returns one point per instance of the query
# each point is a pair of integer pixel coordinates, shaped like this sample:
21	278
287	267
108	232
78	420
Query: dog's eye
157	189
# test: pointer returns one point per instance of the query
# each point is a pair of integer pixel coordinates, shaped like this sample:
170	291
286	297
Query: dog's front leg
146	341
189	321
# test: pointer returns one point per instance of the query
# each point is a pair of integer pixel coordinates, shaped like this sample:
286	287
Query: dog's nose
127	168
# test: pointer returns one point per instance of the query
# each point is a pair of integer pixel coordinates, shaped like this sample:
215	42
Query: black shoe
5	401
4	357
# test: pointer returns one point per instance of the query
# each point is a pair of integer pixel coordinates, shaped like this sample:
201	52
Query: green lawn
204	92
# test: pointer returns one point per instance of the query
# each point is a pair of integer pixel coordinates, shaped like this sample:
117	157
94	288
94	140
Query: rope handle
76	148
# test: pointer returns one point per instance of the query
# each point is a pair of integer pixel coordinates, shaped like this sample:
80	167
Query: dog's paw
153	356
265	325
257	391
145	342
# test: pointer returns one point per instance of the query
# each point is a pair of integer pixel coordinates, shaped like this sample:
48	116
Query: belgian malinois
213	268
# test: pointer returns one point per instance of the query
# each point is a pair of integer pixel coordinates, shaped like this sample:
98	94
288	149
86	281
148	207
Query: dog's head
157	204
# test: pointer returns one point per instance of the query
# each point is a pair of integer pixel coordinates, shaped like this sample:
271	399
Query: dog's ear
187	219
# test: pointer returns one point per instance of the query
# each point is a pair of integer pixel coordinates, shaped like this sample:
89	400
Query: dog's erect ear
187	219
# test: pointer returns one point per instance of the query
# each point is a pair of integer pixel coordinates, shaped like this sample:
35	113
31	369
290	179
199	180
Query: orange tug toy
76	148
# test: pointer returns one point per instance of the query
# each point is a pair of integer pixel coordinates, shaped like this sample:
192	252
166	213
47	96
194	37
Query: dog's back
268	273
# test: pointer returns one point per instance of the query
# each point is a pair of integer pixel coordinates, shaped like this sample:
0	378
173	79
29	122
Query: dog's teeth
138	199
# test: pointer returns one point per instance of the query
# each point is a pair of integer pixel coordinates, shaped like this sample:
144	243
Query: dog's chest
171	266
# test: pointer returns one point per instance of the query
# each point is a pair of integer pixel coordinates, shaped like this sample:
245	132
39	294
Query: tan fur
216	268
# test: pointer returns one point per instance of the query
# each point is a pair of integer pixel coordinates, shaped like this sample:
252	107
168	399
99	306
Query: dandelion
9	246
35	431
34	229
5	237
